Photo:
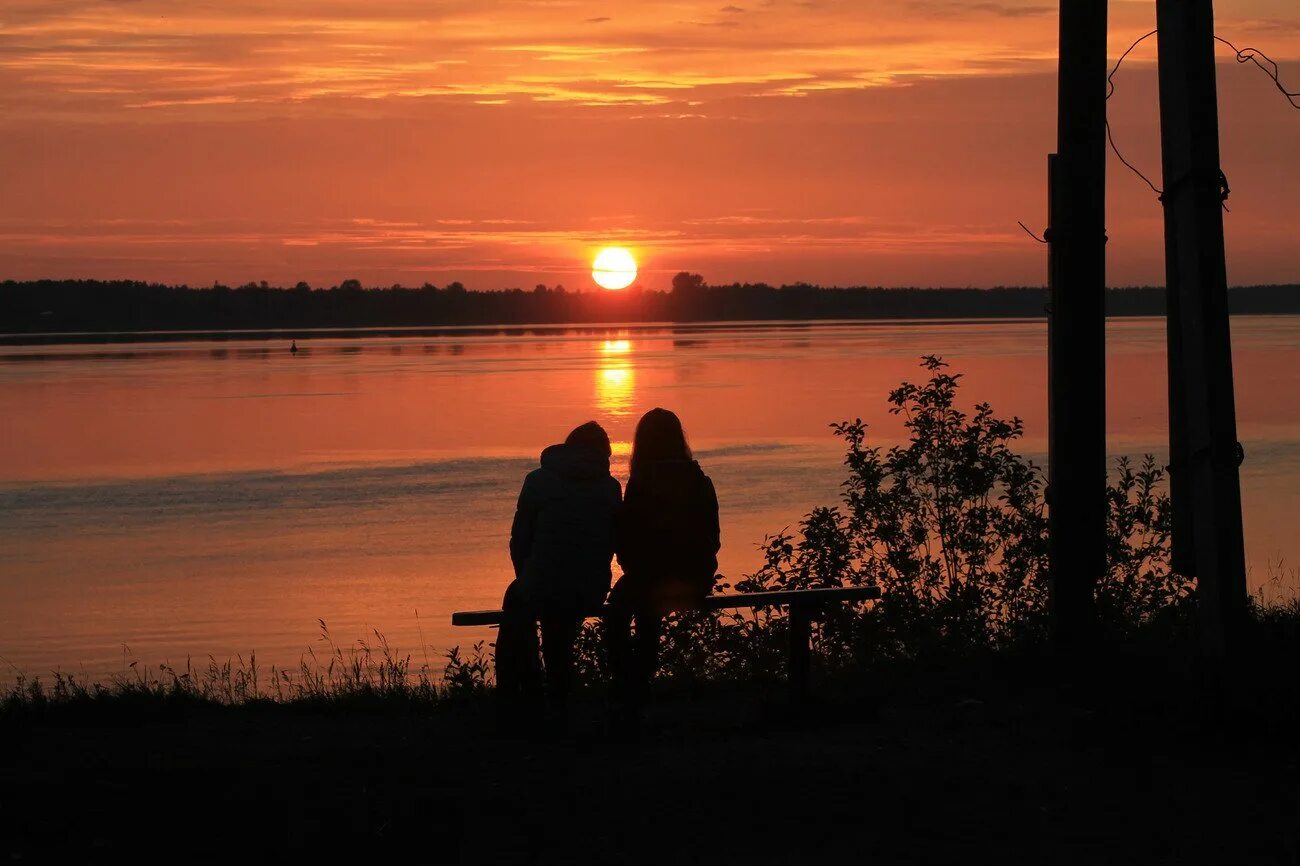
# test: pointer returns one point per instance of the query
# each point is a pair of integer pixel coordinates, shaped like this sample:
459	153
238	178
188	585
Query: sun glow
614	385
615	377
616	347
614	268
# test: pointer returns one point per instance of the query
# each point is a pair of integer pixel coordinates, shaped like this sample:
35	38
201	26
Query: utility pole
1205	451
1076	390
1182	538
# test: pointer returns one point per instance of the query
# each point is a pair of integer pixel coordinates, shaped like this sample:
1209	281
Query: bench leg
800	650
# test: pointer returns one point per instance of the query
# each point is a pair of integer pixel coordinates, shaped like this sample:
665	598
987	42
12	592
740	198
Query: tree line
124	305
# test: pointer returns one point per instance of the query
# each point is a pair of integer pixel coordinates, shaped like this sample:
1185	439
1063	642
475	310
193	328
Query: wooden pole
1077	326
1193	199
1182	540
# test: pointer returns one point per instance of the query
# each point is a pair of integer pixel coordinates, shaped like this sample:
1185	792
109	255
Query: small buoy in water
293	346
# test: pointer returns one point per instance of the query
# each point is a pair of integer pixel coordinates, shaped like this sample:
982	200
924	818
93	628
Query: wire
1110	91
1130	166
1110	79
1252	55
1030	233
1110	137
1243	55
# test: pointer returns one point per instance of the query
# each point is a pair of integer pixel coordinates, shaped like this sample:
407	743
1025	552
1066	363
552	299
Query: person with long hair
667	544
561	545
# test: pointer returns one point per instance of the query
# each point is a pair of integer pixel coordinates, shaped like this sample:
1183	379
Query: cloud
1268	25
958	8
895	138
88	59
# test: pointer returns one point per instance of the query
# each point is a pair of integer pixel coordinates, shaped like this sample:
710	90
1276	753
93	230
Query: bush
952	526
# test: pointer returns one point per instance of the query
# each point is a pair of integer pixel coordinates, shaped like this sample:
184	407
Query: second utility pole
1076	389
1203	418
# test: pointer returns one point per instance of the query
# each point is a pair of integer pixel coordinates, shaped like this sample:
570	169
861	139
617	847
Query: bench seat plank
809	597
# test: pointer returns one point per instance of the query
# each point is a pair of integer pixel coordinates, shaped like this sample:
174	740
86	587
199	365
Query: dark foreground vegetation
992	759
50	306
943	728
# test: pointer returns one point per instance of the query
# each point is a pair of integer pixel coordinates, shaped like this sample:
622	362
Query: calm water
216	498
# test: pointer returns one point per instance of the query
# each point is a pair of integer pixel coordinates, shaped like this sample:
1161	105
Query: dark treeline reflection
92	305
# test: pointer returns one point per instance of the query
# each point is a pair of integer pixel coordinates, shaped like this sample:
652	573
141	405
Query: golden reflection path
615	378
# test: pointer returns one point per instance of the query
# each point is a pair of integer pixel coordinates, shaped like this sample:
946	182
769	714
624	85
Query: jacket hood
569	461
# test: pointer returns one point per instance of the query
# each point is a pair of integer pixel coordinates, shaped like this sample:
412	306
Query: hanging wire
1110	91
1030	232
1110	79
1253	55
1130	166
1243	55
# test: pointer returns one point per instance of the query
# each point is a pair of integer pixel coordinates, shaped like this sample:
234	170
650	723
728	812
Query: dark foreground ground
934	768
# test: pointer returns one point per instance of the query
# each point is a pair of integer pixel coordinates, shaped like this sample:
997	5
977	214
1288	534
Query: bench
803	603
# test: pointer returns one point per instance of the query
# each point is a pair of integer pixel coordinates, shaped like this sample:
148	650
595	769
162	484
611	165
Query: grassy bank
1141	755
999	757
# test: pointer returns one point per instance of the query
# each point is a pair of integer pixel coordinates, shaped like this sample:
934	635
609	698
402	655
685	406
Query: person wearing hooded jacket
561	544
667	545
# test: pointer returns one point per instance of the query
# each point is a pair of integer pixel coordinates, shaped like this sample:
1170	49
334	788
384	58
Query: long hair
659	436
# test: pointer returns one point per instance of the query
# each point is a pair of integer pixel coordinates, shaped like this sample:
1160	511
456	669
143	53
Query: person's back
669	535
667	545
562	539
561	544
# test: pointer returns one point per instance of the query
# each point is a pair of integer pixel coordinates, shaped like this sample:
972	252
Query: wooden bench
804	604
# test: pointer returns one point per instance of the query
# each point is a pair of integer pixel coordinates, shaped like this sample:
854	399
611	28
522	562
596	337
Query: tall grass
362	671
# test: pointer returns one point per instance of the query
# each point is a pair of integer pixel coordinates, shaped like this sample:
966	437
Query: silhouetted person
293	347
561	544
667	544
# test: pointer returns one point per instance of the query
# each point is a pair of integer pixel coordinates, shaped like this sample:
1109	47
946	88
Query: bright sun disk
614	268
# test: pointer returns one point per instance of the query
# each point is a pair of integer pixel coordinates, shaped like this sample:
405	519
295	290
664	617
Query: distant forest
97	306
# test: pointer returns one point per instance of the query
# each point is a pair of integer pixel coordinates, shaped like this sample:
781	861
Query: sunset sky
500	142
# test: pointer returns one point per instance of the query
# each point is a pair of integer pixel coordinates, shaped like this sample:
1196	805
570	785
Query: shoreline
62	311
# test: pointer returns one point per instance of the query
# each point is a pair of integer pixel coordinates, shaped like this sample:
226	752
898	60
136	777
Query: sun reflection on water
615	379
616	347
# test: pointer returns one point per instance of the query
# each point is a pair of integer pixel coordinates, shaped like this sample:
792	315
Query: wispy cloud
833	140
965	8
84	58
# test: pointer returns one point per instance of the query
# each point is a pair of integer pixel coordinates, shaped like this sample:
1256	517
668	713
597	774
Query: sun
614	268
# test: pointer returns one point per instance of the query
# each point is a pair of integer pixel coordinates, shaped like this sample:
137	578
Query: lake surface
165	500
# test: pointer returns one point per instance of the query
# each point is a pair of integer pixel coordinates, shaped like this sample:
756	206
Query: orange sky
498	142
